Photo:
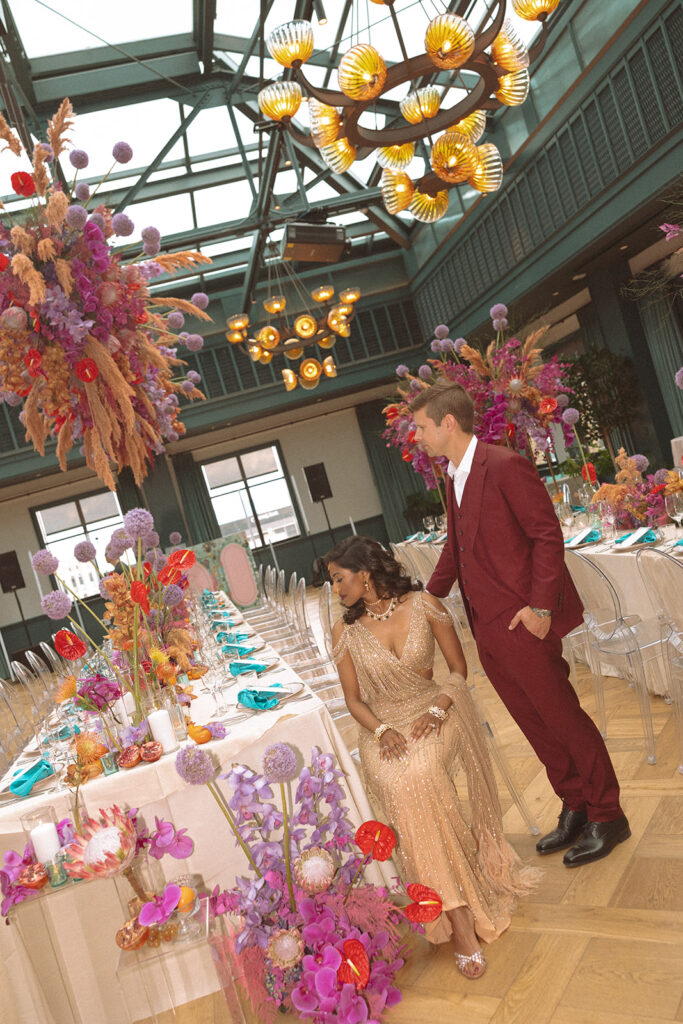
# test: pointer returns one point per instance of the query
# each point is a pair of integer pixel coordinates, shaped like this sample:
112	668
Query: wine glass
674	507
565	514
608	519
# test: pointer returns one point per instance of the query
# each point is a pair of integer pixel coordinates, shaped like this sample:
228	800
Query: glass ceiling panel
222	203
169	215
211	130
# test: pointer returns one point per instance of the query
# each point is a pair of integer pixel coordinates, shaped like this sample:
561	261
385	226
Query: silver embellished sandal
473	966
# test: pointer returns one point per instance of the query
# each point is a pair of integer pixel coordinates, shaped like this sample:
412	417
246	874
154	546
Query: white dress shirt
459	474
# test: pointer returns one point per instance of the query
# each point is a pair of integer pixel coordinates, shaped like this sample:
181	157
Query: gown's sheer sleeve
436	614
341	647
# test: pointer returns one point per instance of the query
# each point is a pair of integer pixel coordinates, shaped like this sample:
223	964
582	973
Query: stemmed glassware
674	507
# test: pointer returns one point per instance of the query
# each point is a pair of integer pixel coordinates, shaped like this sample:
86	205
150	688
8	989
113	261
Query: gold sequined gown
468	862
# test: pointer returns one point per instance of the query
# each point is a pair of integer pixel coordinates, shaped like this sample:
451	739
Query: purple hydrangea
175	320
172	595
194	766
642	463
498	311
415	385
122	152
44	562
571	415
79	159
121	539
82	191
441	331
279	763
195	342
138	523
122	225
85	551
678	378
56	604
76	216
200	300
425	371
402	370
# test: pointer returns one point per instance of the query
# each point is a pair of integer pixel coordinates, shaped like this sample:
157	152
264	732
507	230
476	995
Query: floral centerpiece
517	397
638	497
315	937
84	347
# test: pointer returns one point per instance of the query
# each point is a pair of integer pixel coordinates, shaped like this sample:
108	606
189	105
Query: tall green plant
606	393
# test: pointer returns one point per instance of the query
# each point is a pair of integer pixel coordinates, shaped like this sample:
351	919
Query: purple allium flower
151	234
82	191
175	320
76	216
195	342
500	325
562	400
441	331
122	152
571	415
172	595
44	562
217	730
458	344
56	604
98	220
79	159
425	371
151	249
151	540
402	370
678	378
187	386
498	311
48	152
175	537
122	224
11	398
415	385
279	763
661	476
642	462
104	593
85	551
200	299
138	523
194	376
194	766
436	345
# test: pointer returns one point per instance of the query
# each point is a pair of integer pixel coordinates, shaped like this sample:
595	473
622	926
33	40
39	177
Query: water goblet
673	504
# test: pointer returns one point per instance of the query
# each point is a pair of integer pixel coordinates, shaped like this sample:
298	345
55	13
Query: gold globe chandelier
302	331
494	53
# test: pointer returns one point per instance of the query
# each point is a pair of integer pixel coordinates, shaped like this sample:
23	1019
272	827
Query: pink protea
285	948
102	848
314	870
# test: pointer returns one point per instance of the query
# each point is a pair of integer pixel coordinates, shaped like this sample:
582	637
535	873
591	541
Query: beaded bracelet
437	712
380	730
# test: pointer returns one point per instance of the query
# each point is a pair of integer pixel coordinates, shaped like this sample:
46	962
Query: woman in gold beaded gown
415	733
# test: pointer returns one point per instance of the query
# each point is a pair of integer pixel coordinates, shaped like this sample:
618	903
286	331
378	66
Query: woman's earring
366	585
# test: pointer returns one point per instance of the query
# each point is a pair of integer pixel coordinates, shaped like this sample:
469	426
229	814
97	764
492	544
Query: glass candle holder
109	763
40	828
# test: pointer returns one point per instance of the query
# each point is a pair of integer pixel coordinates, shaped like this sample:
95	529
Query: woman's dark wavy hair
363	554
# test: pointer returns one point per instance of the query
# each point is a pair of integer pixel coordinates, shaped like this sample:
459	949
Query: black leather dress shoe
570	825
599	838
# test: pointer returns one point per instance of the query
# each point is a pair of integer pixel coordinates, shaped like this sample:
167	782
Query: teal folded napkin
232	637
21	785
679	543
588	539
648	538
239	649
238	667
256	699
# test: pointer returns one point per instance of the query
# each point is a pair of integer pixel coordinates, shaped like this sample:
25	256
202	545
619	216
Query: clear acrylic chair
615	637
42	672
662	575
57	664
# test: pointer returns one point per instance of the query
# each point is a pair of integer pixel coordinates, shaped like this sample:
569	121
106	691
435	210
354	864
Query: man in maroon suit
505	549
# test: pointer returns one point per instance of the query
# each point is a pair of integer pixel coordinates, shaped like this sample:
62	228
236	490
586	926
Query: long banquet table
81	919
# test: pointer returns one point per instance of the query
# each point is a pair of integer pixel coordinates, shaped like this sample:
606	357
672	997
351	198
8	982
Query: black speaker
10	573
317	481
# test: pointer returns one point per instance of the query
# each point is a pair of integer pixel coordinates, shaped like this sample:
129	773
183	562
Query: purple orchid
166	840
158	910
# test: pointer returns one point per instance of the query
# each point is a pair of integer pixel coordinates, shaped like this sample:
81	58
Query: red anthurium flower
547	405
86	370
588	472
355	966
410	437
426	905
407	456
169	574
138	593
23	183
391	412
146	664
69	645
147	567
377	839
511	430
32	359
658	488
4	261
184	558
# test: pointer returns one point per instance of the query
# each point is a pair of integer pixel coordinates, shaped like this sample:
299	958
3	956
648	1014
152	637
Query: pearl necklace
384	615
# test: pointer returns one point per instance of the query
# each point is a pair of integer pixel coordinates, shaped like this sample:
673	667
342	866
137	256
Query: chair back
662	575
603	613
52	658
325	613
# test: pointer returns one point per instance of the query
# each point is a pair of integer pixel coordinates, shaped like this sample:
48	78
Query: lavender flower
134	733
175	537
195	342
441	331
56	604
172	595
175	320
217	730
570	415
167	841
44	562
642	463
200	300
194	766
402	370
498	311
85	551
82	191
122	152
122	224
79	159
76	216
425	371
279	763
678	378
138	523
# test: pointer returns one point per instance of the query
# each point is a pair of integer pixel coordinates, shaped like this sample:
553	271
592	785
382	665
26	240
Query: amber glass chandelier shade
310	369
265	357
473	126
449	41
454	157
325	122
234	337
309	384
268	337
343	309
420	104
362	72
290	379
338	155
513	89
291	42
275	304
329	341
530	10
428	208
508	50
305	325
343	329
279	100
329	367
238	321
293	352
351	294
396	157
322	293
397	190
255	351
488	174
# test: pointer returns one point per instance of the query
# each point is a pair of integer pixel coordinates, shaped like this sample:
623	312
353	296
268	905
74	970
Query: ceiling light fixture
497	67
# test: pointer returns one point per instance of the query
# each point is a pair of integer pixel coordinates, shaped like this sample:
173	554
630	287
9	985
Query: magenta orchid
166	840
158	910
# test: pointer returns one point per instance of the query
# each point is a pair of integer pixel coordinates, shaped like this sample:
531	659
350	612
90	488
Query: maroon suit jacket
505	544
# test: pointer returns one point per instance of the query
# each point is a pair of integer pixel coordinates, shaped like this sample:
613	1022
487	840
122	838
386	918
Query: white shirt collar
463	469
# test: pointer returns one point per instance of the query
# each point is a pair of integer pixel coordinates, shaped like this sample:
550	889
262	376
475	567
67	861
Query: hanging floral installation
84	347
517	397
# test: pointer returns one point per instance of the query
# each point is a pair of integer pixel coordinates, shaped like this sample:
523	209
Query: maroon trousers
532	679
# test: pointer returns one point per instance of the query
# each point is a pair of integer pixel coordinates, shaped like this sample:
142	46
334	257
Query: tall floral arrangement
638	497
85	348
517	397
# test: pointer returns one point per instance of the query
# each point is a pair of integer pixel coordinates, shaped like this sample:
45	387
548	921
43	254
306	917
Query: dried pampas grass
23	267
58	127
8	136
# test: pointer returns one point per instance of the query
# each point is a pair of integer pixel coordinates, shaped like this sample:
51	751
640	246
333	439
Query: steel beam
203	17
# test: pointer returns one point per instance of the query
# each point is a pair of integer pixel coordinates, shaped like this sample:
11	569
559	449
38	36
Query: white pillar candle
120	712
162	730
45	839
